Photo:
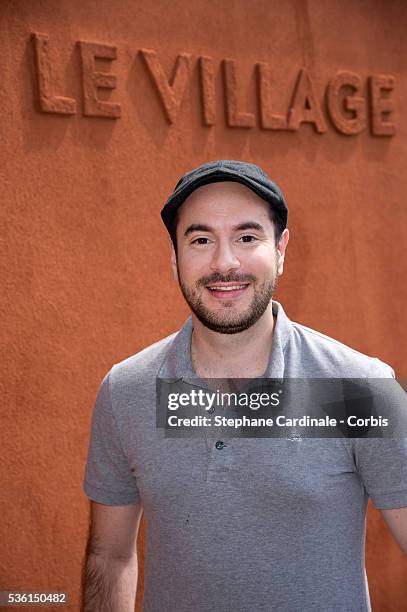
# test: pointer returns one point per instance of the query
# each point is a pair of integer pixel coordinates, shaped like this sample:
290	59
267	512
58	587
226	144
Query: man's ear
281	250
174	263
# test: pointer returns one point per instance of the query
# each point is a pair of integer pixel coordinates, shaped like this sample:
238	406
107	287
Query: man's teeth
232	288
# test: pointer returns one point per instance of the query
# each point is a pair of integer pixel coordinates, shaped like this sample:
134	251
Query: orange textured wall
84	256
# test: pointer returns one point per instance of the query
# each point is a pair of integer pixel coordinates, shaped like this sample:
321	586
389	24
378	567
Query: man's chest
285	474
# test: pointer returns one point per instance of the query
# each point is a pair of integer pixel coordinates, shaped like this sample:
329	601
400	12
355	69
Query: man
233	523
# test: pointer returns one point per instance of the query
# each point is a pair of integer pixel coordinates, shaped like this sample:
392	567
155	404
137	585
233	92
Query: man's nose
224	258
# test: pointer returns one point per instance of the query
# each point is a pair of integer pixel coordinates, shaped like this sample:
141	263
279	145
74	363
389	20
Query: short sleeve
380	369
382	466
108	478
382	462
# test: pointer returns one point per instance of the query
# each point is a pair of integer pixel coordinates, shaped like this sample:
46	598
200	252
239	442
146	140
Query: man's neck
242	355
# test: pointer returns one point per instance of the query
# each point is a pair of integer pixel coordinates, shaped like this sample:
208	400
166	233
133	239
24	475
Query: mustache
229	278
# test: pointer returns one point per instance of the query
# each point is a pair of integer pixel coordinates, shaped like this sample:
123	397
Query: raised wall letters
348	108
234	116
268	121
305	107
208	93
92	80
355	103
380	106
170	92
49	102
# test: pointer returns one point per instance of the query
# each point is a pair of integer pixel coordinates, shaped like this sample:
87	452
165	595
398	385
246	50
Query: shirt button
219	444
211	410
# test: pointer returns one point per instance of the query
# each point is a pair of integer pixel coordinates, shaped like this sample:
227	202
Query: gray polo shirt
257	524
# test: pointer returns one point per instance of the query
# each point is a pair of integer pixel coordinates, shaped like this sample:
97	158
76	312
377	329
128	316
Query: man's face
228	262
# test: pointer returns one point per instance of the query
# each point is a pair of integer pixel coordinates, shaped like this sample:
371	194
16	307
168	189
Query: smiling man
229	253
233	523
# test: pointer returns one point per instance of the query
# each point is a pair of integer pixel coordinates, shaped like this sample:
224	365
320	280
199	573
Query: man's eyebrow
201	227
197	227
247	225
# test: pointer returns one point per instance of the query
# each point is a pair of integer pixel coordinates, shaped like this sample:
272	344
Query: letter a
305	107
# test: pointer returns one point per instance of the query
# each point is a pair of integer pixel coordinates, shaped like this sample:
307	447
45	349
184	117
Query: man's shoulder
322	355
145	363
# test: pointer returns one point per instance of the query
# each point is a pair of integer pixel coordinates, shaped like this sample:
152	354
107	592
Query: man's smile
227	290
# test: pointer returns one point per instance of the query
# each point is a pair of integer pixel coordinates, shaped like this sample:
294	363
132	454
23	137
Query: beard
226	321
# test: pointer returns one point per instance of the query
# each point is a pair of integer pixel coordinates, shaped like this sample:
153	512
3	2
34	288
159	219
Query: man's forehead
220	199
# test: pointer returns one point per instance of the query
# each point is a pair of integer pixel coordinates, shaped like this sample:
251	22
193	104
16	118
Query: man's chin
230	317
224	325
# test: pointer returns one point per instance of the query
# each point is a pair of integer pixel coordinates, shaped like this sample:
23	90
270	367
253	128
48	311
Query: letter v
170	92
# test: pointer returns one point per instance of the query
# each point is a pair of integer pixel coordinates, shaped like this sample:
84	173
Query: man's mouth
227	290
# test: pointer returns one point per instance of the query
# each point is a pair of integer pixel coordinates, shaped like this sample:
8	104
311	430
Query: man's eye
248	238
201	240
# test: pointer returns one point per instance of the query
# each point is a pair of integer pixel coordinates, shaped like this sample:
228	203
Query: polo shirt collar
177	364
